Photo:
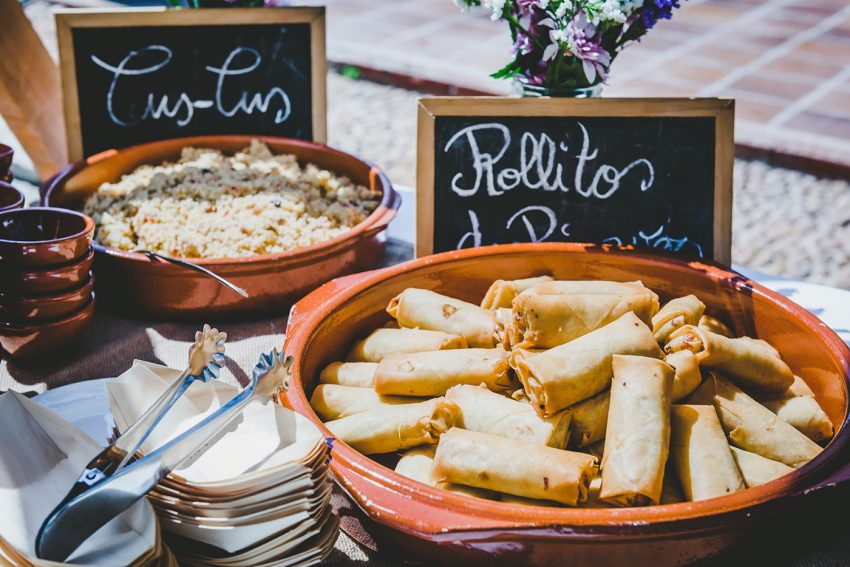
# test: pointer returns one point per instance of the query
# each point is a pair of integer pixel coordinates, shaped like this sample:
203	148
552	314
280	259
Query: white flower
496	7
561	10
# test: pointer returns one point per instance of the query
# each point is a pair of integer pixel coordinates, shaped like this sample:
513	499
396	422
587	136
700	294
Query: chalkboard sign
649	173
136	75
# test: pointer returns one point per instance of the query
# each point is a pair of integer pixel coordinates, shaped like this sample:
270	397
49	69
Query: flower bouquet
565	47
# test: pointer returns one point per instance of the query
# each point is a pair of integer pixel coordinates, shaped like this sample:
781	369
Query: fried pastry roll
432	373
567	374
676	313
752	363
502	292
487	412
356	374
383	342
637	438
332	401
514	467
426	309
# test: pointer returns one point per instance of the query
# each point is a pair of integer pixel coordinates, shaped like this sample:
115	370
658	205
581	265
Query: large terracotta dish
434	525
134	282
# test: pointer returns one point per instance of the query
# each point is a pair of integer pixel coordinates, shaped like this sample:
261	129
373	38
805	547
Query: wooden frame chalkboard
707	124
172	22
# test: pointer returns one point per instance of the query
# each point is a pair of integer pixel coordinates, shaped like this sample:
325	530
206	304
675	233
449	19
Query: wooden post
30	92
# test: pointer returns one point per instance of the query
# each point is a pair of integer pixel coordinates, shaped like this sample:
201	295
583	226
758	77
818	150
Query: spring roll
688	377
487	412
752	363
332	401
587	287
503	292
570	373
425	309
709	323
418	464
637	438
546	321
753	427
384	342
514	467
392	428
593	490
758	470
589	419
504	327
356	374
700	453
799	407
676	313
432	373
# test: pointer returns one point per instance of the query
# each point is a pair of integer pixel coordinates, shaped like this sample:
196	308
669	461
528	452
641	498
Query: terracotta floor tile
821	124
773	86
810	69
757	112
835	103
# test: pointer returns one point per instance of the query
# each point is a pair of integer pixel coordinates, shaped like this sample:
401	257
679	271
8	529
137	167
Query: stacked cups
46	281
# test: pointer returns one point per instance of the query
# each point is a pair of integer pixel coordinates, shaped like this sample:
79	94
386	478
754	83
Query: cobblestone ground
785	222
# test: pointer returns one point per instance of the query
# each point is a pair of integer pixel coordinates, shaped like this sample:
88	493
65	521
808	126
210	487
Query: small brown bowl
6	155
25	340
10	198
41	308
47	280
42	236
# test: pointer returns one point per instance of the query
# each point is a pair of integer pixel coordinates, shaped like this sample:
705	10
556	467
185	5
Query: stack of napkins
41	457
260	495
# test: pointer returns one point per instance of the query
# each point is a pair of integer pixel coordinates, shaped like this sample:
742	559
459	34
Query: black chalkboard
647	181
139	83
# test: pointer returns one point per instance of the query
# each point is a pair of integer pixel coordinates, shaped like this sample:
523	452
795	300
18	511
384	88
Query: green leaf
508	70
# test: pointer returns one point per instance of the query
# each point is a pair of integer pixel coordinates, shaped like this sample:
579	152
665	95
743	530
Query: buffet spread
602	401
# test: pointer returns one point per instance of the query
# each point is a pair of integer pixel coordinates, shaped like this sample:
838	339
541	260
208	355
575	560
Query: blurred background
786	62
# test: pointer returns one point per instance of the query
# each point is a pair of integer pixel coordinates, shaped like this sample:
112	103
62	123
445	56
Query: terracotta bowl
56	279
134	282
6	155
28	340
39	308
43	236
10	198
431	525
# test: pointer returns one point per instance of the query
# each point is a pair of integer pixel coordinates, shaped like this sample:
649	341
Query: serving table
113	342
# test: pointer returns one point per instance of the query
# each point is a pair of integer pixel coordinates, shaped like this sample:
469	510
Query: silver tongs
107	495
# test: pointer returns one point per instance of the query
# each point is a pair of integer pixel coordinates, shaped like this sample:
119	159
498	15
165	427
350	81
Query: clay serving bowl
6	156
43	236
56	279
431	525
140	284
10	198
39	308
28	340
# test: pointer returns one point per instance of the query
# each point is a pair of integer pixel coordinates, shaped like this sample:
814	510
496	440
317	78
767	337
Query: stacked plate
41	456
260	495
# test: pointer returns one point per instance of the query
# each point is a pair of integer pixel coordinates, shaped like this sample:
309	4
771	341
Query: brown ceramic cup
39	308
10	198
36	281
6	155
26	340
43	236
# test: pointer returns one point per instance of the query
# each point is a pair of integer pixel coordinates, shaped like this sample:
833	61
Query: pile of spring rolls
577	393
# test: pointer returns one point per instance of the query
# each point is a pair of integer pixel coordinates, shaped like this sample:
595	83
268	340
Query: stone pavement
786	62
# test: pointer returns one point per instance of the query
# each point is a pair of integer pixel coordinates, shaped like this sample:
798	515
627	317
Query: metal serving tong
78	516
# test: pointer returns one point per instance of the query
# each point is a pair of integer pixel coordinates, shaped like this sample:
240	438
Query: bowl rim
88	226
51	297
6	186
41	270
390	199
83	312
346	460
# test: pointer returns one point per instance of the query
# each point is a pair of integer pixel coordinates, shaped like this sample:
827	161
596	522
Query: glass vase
527	90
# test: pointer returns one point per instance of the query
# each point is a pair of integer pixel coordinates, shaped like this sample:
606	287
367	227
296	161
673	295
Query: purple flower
526	7
523	44
584	41
654	10
536	75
